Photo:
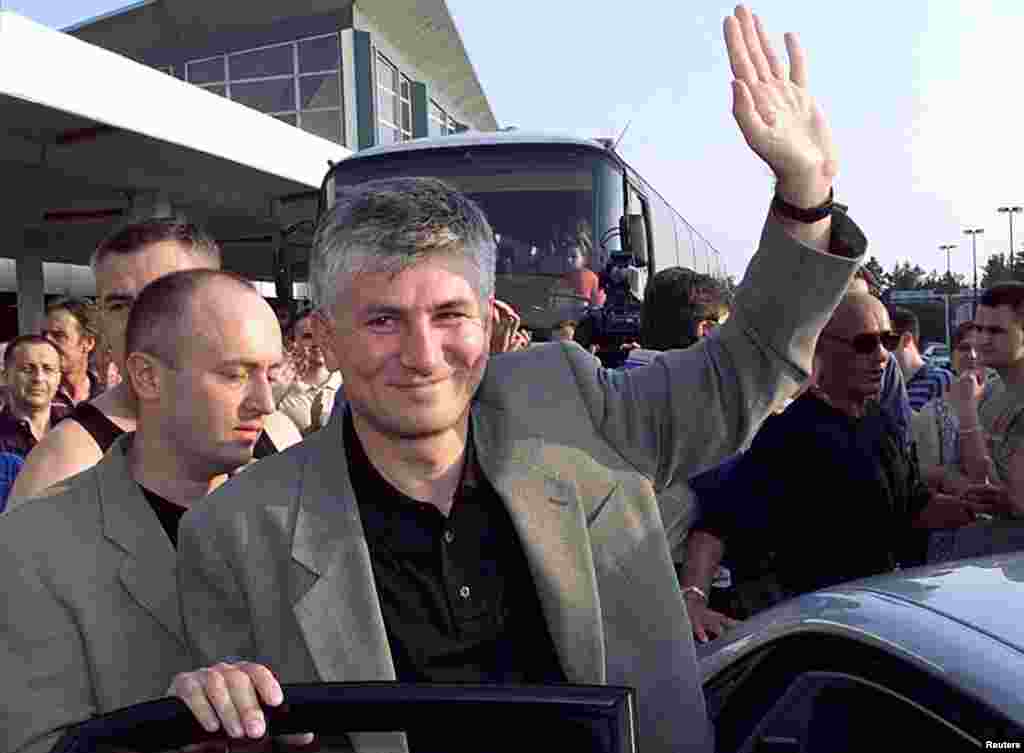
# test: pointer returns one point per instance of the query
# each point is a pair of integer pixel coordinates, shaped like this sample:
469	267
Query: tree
905	277
875	267
944	283
996	270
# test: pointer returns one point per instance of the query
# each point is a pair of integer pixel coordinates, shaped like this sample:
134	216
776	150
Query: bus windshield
540	200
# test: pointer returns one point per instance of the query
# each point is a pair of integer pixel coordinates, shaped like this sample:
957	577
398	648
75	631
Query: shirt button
449	537
464	592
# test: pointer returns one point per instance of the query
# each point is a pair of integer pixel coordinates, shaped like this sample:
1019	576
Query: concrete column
350	120
31	294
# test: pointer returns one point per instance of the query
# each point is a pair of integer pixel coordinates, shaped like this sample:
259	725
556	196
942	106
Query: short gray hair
389	225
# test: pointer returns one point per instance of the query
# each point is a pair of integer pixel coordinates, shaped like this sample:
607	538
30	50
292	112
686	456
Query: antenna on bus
619	140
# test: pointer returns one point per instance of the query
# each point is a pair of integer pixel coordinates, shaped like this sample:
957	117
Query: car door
584	718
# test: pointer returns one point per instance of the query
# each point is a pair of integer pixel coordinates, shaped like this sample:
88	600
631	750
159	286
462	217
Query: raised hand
505	325
776	114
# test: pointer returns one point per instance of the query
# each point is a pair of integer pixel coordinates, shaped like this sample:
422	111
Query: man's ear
906	339
145	374
704	328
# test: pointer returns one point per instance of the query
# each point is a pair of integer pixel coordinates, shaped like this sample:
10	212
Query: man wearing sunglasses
837	432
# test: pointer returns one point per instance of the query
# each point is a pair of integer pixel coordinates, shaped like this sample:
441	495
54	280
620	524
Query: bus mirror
637	238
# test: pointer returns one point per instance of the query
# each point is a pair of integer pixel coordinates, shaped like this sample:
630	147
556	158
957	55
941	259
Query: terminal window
394	103
297	82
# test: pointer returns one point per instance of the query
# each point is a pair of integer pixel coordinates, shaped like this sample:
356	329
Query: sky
924	99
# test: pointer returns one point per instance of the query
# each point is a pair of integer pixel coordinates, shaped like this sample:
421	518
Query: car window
824	712
777	699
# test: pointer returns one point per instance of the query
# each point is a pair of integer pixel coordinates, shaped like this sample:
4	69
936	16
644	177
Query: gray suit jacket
90	620
275	566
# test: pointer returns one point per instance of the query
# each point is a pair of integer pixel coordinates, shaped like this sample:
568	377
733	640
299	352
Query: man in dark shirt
828	485
32	369
71	327
278	567
89	568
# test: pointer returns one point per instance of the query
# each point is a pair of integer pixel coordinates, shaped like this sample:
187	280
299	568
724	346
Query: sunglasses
867	343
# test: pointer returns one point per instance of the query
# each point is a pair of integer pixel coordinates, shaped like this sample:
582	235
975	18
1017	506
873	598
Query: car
937	354
931	656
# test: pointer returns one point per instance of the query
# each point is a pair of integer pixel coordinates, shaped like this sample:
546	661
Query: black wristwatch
784	209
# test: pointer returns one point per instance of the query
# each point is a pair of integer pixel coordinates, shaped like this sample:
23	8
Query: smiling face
34	376
412	347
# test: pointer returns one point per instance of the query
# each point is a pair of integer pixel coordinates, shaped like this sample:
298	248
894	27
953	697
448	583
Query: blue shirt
10	464
927	384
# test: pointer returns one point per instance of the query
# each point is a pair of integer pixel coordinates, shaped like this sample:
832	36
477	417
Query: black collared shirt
62	401
168	513
15	433
457	596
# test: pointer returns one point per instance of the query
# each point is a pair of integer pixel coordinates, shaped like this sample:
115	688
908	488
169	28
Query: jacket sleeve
213	604
692	408
45	679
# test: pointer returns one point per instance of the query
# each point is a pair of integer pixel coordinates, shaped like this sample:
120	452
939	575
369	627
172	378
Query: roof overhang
426	31
82	128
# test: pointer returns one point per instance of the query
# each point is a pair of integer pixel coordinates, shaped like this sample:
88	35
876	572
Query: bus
537	190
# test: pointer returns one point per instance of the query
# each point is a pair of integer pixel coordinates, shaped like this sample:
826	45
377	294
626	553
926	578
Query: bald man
124	263
91	621
827	485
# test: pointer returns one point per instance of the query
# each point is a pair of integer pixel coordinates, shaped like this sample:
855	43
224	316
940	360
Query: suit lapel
148	566
336	602
552	526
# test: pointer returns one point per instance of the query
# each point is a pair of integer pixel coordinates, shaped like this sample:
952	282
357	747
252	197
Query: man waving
475	520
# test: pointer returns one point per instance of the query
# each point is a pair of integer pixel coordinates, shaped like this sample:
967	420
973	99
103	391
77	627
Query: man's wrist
696	592
805	192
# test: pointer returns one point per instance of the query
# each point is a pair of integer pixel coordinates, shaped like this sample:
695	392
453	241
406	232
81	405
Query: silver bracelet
696	590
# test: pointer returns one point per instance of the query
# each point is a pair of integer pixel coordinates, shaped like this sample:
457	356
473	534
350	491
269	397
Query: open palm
777	115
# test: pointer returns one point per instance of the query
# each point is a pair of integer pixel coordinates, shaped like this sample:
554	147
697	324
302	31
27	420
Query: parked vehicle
937	354
931	655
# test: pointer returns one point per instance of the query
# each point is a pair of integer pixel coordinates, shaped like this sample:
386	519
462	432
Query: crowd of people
211	498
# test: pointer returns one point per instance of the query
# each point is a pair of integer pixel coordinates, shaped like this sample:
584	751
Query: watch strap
790	211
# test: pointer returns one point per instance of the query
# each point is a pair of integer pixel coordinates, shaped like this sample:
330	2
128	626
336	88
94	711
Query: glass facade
394	103
296	82
439	122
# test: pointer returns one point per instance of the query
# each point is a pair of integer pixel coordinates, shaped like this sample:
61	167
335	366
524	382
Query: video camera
618	320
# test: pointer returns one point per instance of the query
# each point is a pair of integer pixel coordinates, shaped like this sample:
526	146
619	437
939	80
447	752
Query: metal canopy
87	136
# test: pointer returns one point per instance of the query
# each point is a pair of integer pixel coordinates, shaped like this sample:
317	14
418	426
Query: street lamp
1010	211
947	247
974	233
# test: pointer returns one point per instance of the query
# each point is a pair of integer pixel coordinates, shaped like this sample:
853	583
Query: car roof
956	620
973	592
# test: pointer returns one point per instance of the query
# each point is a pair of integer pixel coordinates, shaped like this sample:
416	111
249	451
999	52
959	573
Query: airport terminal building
226	112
